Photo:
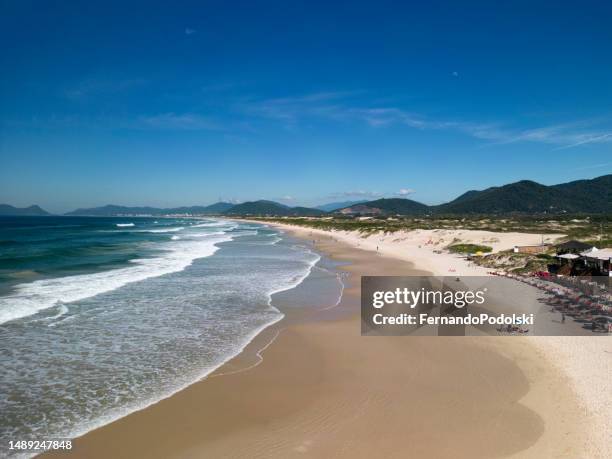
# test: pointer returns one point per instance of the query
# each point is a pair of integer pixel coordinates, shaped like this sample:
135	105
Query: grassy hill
582	196
524	197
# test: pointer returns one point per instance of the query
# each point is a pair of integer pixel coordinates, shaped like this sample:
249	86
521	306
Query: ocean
100	317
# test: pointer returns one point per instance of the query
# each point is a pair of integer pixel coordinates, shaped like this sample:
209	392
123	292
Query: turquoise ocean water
100	317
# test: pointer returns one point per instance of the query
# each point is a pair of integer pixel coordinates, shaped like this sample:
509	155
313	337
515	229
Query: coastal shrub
469	248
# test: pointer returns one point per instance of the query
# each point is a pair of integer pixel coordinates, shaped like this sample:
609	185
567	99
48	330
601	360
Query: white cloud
189	31
586	138
405	191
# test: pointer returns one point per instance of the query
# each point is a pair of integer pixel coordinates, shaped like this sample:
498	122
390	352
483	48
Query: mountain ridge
525	196
264	207
111	210
31	211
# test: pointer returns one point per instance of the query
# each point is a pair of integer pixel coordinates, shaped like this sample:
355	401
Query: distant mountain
330	207
219	207
112	210
581	196
526	197
214	209
391	206
32	211
306	211
263	207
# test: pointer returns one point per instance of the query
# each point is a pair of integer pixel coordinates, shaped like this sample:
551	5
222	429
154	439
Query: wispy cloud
405	191
562	135
588	138
189	31
291	109
339	106
246	114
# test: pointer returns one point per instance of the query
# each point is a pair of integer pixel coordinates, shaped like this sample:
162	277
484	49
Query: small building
533	249
599	260
573	247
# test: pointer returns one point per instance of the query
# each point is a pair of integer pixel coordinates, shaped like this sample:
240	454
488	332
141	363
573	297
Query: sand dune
421	246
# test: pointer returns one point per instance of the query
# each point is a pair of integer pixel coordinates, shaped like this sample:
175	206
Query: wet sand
323	390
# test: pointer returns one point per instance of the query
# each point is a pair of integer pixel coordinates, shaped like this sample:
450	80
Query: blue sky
182	103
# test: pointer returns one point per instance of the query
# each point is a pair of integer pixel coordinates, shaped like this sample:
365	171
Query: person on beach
562	317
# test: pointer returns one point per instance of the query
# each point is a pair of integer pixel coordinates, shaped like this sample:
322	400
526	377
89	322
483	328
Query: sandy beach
314	387
424	247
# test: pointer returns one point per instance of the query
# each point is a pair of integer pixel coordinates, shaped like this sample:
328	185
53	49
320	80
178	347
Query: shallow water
98	320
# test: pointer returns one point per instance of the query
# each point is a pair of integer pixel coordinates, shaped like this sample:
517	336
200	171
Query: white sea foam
30	298
198	235
161	230
122	225
285	282
63	309
225	224
205	225
175	238
179	309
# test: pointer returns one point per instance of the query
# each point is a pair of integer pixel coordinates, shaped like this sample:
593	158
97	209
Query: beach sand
424	247
323	390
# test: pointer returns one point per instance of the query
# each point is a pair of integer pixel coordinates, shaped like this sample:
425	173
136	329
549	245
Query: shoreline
584	361
128	433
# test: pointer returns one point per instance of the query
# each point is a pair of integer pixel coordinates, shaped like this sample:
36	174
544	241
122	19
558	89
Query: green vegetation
524	197
594	229
580	196
469	248
583	228
515	262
